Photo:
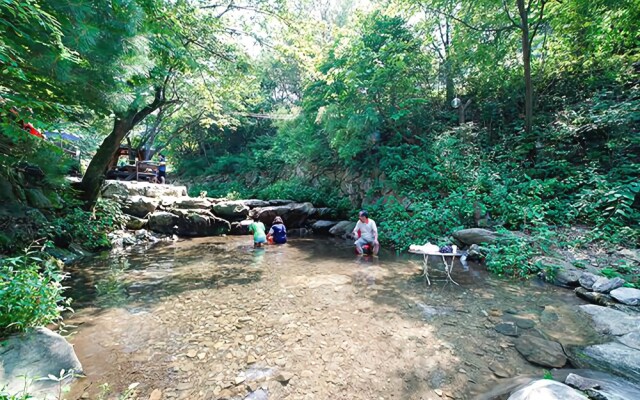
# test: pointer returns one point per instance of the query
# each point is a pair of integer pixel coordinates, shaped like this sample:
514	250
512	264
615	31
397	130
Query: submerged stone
541	352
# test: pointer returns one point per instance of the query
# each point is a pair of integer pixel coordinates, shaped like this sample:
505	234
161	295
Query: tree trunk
461	112
123	124
93	178
526	59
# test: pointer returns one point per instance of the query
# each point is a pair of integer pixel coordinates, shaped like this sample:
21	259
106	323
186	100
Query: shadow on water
451	329
137	277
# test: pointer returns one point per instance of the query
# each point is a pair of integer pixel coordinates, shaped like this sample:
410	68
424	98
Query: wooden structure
137	168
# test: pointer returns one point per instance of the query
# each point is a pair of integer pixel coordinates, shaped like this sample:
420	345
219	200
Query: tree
182	40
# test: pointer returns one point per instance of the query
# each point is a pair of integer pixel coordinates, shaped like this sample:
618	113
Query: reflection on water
204	318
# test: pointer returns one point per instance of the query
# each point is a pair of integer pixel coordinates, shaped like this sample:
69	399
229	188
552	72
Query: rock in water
508	329
595	297
581	383
612	357
587	279
610	321
35	355
605	285
342	228
541	352
631	339
628	296
323	226
546	389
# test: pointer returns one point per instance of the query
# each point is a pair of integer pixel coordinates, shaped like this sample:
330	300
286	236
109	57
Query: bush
30	293
88	229
513	256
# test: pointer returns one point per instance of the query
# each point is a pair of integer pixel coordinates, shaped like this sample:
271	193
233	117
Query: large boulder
279	202
323	227
587	279
343	229
122	189
323	213
631	339
546	389
115	189
6	192
188	223
192	203
253	203
241	227
139	206
541	352
605	285
598	384
200	223
294	215
612	322
567	275
475	236
28	359
234	210
612	357
135	223
595	297
628	296
155	190
163	222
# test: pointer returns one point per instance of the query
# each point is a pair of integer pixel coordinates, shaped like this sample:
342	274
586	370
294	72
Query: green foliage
513	255
626	270
88	229
30	293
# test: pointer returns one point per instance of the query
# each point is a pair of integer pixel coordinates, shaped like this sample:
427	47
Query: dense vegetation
434	114
374	124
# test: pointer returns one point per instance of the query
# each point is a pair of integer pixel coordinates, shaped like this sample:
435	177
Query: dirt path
213	319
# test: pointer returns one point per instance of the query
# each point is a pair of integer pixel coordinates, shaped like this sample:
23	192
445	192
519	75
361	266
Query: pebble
156	394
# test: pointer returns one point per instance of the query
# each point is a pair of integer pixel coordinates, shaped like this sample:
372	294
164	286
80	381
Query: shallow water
213	318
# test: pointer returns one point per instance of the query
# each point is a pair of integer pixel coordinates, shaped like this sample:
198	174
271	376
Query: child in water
259	237
278	232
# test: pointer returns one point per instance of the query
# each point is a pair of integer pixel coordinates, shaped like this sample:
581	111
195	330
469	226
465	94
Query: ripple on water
316	307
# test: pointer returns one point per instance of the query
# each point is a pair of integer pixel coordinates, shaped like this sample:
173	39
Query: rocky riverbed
212	318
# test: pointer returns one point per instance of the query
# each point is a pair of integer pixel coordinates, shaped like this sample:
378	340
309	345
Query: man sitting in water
368	233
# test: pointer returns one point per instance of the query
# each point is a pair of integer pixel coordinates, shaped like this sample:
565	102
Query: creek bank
166	209
38	363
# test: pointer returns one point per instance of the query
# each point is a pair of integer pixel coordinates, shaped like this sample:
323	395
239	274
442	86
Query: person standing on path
162	169
367	233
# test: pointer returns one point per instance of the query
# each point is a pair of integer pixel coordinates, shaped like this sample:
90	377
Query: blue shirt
162	167
279	232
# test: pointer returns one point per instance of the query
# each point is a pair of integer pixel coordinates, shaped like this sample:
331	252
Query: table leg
449	268
426	269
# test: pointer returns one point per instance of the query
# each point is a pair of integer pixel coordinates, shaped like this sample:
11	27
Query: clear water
213	318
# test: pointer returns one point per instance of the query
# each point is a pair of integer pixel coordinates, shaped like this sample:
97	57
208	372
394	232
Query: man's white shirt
366	230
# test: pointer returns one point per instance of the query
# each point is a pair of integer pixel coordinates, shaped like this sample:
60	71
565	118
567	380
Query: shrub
30	293
88	229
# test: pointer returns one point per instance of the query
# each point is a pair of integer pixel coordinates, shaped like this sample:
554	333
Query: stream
212	318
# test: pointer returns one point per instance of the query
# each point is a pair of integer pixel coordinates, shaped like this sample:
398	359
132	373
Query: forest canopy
435	114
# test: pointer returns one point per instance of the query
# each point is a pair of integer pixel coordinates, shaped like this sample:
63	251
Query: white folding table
448	267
